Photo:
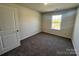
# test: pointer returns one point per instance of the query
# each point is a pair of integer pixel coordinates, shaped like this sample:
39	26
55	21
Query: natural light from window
56	22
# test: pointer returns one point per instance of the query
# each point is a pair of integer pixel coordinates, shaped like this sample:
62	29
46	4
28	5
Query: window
56	22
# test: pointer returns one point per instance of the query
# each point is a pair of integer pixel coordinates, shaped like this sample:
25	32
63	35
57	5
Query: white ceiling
50	6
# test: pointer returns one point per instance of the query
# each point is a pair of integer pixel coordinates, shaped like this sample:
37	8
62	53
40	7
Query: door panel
9	40
8	27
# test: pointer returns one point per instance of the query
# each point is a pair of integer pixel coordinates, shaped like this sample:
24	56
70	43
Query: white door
8	29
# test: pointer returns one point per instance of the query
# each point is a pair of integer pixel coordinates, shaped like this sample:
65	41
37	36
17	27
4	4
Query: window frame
54	23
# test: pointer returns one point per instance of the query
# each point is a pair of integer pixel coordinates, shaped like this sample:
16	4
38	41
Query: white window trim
60	16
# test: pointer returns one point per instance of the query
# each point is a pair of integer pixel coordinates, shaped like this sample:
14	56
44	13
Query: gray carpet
43	44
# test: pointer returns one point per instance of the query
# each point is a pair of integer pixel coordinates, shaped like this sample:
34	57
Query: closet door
8	29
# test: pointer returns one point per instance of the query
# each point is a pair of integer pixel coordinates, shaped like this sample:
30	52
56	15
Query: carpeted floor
43	44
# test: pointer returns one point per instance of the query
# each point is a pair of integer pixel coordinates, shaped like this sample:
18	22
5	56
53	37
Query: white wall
29	21
68	18
75	38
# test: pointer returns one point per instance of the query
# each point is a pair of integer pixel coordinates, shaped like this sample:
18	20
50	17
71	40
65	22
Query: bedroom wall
75	38
30	22
68	18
